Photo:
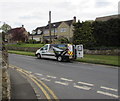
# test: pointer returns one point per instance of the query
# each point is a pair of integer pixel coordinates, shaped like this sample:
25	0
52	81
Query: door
44	50
79	51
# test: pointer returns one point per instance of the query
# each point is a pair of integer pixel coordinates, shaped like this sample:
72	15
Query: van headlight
37	51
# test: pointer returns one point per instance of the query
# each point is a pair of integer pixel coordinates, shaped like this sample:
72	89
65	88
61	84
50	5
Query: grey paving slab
20	87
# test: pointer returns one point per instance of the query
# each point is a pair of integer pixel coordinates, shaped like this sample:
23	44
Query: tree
76	32
19	34
107	33
83	34
5	27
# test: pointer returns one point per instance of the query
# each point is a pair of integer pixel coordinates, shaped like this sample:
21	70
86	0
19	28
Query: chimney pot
74	18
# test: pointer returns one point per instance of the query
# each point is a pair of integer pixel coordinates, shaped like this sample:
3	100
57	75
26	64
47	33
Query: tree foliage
5	27
97	33
107	33
83	34
18	34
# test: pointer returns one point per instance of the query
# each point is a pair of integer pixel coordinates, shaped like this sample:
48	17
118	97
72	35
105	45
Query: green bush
63	39
32	41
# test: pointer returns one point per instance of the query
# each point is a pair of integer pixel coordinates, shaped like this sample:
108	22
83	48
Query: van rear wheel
38	56
59	58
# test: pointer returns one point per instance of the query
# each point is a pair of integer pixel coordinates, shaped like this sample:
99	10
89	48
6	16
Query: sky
35	13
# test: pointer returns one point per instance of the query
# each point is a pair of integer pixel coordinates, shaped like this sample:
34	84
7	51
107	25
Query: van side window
45	47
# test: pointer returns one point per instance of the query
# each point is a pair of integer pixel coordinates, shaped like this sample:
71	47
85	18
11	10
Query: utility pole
54	30
50	26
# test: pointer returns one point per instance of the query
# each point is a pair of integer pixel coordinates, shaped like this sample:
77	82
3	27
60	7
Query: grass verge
26	45
21	52
96	59
100	59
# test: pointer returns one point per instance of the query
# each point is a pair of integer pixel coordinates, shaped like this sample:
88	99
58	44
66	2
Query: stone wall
5	76
102	52
27	49
86	51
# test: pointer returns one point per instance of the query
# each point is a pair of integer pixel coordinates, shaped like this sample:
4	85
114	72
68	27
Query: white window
54	30
63	29
39	31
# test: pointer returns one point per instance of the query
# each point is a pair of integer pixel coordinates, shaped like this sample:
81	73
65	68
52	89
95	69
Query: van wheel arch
38	56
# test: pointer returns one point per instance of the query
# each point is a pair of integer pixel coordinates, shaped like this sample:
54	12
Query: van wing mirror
41	49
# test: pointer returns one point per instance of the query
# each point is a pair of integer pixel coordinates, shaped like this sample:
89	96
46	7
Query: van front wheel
59	58
38	56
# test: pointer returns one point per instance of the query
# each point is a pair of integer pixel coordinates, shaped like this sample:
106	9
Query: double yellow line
38	82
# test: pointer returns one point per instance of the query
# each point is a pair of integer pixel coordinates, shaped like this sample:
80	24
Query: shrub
63	39
32	41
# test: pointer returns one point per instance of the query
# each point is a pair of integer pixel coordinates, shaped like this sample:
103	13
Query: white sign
79	51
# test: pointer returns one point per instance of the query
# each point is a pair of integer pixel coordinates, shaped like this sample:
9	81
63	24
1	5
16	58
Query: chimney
74	19
23	26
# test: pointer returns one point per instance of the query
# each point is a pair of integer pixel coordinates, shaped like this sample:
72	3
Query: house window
54	30
39	31
46	31
63	29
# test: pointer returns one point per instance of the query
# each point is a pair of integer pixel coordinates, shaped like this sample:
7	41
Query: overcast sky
34	13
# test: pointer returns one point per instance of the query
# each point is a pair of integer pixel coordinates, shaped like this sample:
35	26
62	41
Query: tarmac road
72	80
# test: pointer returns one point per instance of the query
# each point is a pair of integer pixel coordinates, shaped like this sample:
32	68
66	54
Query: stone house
38	35
8	35
105	18
58	29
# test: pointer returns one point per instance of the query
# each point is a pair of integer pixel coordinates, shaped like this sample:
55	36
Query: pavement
72	80
20	87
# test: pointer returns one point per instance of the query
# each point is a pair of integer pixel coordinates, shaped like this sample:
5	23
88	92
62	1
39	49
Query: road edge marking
107	88
108	94
66	79
51	76
62	83
81	87
43	90
50	91
38	74
85	83
45	79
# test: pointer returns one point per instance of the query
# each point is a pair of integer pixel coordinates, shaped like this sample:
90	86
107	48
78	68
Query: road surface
72	80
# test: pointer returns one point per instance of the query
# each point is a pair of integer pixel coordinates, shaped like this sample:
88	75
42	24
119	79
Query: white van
60	52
